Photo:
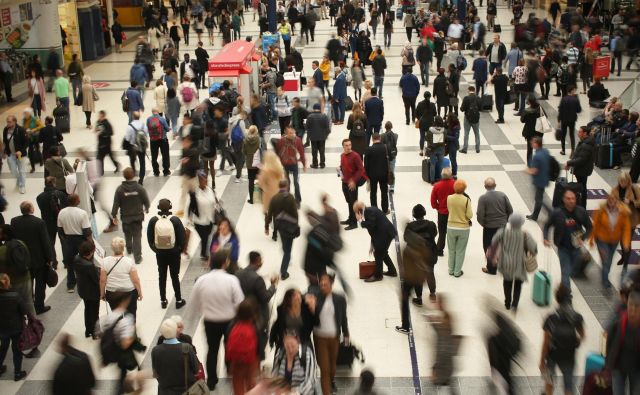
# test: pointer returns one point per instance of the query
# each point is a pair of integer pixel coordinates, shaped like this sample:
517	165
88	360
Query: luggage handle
566	175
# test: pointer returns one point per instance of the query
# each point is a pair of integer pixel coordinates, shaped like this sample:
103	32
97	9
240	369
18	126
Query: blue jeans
619	380
437	154
522	101
606	252
566	368
17	169
339	109
424	73
453	158
476	131
293	169
70	248
567	256
377	83
287	244
271	98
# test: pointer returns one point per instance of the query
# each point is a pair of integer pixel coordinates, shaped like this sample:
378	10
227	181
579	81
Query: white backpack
165	234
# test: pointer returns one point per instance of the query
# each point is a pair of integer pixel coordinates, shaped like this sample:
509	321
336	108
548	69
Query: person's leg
163	265
314	154
461	248
517	289
384	196
214	332
343	109
487	236
404	304
321	148
373	192
618	382
452	239
136	240
334	346
324	363
379	259
203	232
583	198
287	244
296	182
141	161
442	232
166	159
476	132
606	251
507	286
389	263
572	135
500	108
155	147
39	280
465	144
564	255
174	271
348	196
17	353
412	105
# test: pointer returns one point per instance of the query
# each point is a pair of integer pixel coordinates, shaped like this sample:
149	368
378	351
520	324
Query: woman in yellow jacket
611	226
325	68
458	226
629	194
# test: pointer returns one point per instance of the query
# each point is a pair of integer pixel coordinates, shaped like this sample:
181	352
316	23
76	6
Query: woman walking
513	244
37	93
241	352
458	226
253	157
89	97
119	275
357	125
530	118
12	313
357	78
225	237
269	177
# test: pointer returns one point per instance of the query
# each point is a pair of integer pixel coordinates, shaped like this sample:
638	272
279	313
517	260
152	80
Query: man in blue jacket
134	98
374	110
138	74
480	73
410	89
339	96
539	170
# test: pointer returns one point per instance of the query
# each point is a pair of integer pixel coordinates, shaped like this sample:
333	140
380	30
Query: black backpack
110	350
55	204
564	339
279	80
358	129
18	256
392	145
473	112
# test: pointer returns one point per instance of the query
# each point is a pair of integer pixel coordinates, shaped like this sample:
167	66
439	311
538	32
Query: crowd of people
310	327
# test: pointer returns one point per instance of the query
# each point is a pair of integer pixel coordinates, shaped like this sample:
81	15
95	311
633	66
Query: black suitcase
486	103
426	169
562	184
603	154
348	103
61	116
497	29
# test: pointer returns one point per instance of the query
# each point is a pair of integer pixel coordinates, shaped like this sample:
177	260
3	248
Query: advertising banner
29	25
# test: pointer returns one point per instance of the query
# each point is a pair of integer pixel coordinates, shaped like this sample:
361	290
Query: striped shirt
302	378
572	55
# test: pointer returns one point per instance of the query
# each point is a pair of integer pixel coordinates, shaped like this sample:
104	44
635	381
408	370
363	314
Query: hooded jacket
582	160
250	146
620	232
131	199
437	134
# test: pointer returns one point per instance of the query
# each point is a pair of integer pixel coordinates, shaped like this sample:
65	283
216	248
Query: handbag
31	336
200	386
95	95
558	134
303	79
530	259
287	225
52	277
542	123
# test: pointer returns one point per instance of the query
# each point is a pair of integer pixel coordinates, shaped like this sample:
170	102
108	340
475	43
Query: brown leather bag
367	269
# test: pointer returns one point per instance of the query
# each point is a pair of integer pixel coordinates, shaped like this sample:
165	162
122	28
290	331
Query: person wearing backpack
158	128
132	201
12	314
563	333
50	202
166	237
241	351
540	168
135	142
188	94
290	150
283	210
471	109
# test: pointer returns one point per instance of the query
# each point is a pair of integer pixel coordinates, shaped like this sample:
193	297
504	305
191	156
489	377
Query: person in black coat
382	233
50	202
15	142
12	313
33	233
597	94
74	374
49	136
376	166
168	258
567	116
581	162
500	90
440	91
374	110
88	278
426	116
529	117
317	75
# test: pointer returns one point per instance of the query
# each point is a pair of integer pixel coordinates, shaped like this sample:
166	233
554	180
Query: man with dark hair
216	295
105	132
202	56
382	233
167	240
133	202
581	162
33	233
379	64
50	202
376	166
283	210
352	175
253	287
539	168
500	88
471	106
374	110
74	227
15	141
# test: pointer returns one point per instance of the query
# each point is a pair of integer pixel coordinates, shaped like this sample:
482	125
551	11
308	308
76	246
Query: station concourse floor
374	309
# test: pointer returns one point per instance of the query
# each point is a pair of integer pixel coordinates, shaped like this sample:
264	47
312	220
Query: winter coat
631	193
602	230
56	167
249	147
582	159
513	244
529	119
268	179
88	102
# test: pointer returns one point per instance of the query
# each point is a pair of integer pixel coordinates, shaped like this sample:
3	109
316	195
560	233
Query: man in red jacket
291	151
351	171
441	190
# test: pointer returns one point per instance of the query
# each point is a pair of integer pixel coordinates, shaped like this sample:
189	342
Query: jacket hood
436	129
252	140
418	226
130	186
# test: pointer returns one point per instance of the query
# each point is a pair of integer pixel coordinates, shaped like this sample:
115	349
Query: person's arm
300	148
508	207
46	243
103	283
469	212
546	343
116	205
434	198
345	322
481	212
151	234
133	275
145	200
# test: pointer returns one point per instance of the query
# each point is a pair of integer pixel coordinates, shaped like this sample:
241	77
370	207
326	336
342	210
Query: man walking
61	89
158	128
136	136
567	116
283	210
352	174
217	295
426	116
374	110
439	194
166	237
376	166
291	151
539	168
202	57
50	202
379	64
14	139
318	129
581	162
571	228
424	56
410	89
33	233
382	233
471	108
494	209
132	201
53	64
134	100
74	227
500	89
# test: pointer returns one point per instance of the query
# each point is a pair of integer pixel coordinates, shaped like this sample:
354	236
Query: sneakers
19	375
237	180
22	191
402	330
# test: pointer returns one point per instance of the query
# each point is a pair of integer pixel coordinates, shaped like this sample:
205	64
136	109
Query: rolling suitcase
562	184
399	12
598	383
595	363
486	103
61	116
604	150
426	170
366	269
541	290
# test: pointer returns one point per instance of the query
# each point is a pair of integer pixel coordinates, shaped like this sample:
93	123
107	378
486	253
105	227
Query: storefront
236	62
129	12
69	31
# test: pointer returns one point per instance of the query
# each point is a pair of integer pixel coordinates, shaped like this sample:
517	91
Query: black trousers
382	255
570	128
635	169
103	152
214	331
583	199
515	287
204	231
442	231
487	236
384	191
350	197
133	155
404	305
499	108
317	147
409	104
52	231
169	261
163	146
133	303
252	174
91	311
39	281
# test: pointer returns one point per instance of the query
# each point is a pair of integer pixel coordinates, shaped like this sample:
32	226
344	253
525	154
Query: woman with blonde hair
629	194
368	85
89	97
458	226
269	177
118	274
586	69
357	126
253	157
160	96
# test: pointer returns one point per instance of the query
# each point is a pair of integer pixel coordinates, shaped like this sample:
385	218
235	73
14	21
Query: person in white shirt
137	147
74	227
314	96
203	222
118	274
455	32
188	101
217	295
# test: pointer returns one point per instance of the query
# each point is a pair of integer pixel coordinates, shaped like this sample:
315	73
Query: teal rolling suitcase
541	293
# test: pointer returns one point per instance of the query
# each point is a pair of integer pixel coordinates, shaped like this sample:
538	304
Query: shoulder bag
530	259
200	386
31	336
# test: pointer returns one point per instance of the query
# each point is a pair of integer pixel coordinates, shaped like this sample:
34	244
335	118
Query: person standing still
581	162
291	151
494	209
15	141
318	127
439	194
376	166
352	175
471	108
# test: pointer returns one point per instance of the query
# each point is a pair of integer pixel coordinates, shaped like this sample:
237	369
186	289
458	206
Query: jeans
387	38
64	101
204	231
76	86
606	251
493	66
457	242
36	104
350	197
487	236
70	247
500	108
17	354
17	169
377	83
567	256
619	380
476	131
287	244
510	286
617	57
521	101
293	169
271	99
384	192
163	147
214	332
566	368
317	147
424	73
339	109
442	231
173	121
103	152
132	237
437	155
91	313
409	104
539	203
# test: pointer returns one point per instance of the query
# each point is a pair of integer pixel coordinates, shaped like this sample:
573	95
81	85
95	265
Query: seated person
597	94
623	138
608	109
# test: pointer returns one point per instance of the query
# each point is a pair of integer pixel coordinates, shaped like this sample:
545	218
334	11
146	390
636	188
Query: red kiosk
234	62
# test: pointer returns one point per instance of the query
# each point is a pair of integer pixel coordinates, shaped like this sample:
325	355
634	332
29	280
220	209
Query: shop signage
224	66
5	16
